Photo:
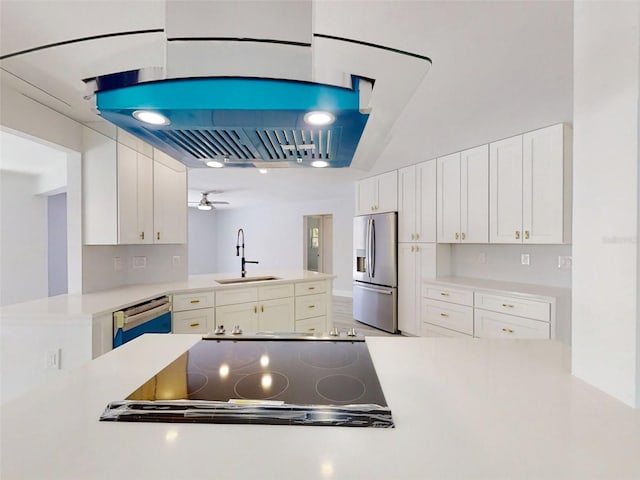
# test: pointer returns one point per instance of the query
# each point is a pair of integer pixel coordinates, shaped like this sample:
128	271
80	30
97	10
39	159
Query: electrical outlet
139	262
117	264
525	259
564	261
53	359
482	257
176	260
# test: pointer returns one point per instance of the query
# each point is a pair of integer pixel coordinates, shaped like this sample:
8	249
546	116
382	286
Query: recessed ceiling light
263	170
204	207
153	118
319	164
215	164
319	118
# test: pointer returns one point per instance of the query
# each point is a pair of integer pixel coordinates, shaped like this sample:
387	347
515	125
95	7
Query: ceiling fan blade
220	203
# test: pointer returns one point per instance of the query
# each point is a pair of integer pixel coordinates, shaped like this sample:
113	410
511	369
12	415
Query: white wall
23	239
606	330
274	237
202	241
502	262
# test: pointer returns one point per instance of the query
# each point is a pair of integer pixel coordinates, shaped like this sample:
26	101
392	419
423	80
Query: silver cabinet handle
385	292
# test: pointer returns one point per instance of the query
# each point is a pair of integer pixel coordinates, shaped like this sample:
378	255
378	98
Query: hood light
319	164
319	118
152	118
215	164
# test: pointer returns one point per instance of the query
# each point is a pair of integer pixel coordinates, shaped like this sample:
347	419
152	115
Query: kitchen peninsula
42	338
463	408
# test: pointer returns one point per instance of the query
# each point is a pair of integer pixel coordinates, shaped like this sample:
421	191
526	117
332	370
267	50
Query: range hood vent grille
254	144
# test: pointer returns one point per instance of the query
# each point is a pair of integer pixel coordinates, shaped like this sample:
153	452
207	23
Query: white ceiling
499	68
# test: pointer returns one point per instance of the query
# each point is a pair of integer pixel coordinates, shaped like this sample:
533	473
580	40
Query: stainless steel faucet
244	262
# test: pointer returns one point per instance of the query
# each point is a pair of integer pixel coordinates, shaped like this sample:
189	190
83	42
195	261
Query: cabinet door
426	200
128	230
505	191
387	192
365	196
474	195
426	265
449	198
277	315
542	185
193	321
170	202
407	204
145	197
244	314
408	318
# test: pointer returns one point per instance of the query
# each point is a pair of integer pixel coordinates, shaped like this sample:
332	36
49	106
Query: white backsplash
503	262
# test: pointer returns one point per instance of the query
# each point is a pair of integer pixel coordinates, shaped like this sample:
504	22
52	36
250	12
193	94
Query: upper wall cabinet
128	197
377	194
417	203
530	187
463	196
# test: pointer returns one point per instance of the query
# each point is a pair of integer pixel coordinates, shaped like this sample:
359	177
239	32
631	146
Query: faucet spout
243	262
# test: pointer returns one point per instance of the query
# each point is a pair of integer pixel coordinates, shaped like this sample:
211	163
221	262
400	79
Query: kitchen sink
227	281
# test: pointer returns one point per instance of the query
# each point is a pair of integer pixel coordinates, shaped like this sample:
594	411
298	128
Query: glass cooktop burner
293	382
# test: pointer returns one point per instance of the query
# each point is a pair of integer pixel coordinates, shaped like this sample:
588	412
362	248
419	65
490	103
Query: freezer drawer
376	306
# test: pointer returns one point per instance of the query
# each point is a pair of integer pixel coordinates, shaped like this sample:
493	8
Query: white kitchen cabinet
126	193
447	308
417	203
169	199
377	194
463	196
193	312
416	264
313	306
498	325
101	334
529	187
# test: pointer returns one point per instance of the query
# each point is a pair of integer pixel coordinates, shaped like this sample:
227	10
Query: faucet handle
236	330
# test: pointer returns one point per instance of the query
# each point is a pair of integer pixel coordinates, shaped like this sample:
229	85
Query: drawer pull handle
312	329
507	305
444	294
197	324
507	330
444	314
195	301
158	236
312	288
312	306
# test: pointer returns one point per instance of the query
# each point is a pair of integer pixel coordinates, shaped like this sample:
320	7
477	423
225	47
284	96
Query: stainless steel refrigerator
375	270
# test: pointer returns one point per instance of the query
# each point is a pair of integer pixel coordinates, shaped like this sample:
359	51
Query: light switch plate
117	264
564	261
176	260
525	259
139	262
482	257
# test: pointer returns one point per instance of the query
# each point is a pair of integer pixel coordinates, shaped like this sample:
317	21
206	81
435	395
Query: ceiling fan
205	203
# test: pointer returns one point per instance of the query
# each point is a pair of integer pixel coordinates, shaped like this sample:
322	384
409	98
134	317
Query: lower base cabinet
193	312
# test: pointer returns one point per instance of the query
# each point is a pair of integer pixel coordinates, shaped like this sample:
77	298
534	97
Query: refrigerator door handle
373	248
366	248
375	290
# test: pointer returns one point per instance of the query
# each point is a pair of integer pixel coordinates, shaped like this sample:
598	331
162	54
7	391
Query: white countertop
520	289
65	307
463	408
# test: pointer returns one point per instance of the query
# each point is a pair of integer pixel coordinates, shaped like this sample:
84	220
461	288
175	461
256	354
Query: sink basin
227	281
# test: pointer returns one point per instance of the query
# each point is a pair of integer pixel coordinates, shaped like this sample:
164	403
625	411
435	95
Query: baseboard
343	293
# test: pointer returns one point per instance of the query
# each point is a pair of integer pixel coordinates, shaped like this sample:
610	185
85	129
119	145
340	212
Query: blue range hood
242	122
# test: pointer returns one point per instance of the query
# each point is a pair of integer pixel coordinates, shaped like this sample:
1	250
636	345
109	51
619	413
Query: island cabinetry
463	196
450	310
498	316
313	306
128	196
530	187
257	309
193	312
377	194
417	203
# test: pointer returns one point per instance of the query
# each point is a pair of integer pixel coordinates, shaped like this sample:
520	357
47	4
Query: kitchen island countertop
463	408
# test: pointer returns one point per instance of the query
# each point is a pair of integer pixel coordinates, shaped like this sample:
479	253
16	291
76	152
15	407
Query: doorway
318	243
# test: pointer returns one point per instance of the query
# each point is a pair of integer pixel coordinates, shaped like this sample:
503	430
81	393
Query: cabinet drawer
193	321
514	306
429	330
275	291
312	325
236	295
446	294
192	301
310	306
498	325
448	315
309	288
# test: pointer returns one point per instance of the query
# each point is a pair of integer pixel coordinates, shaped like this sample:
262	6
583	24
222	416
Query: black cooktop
258	381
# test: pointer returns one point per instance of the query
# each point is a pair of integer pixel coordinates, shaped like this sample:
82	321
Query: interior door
314	239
